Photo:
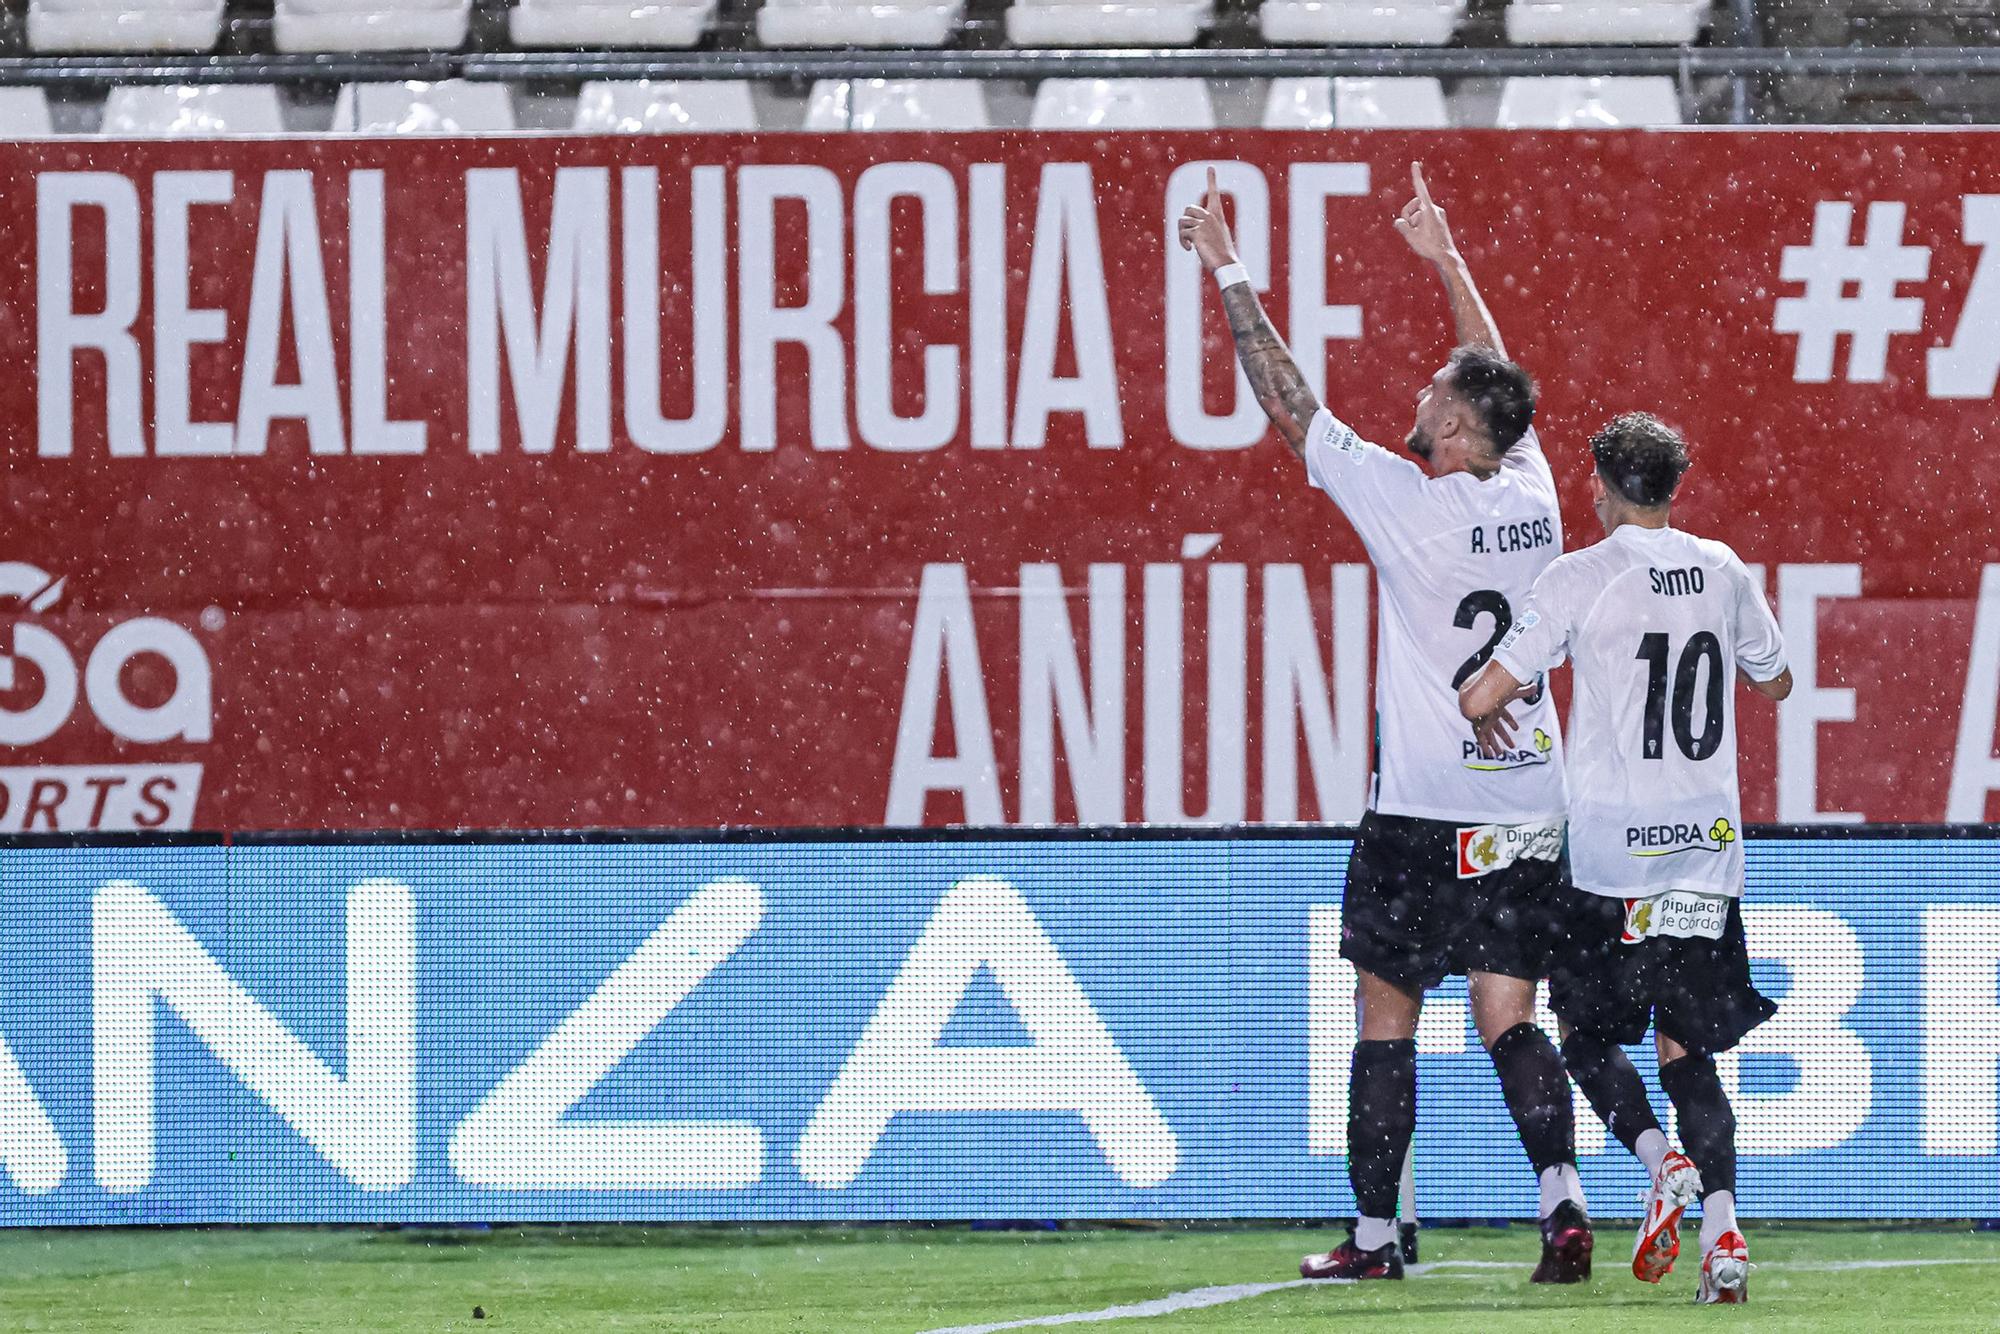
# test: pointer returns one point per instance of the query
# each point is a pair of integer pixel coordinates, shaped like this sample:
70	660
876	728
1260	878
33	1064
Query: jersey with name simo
1657	622
1454	560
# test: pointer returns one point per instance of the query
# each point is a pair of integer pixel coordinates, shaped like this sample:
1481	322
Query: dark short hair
1641	458
1499	393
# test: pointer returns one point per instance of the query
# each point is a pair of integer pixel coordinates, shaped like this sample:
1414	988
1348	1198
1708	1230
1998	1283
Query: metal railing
1215	63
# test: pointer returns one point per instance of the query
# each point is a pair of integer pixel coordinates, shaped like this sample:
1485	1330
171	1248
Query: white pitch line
1196	1299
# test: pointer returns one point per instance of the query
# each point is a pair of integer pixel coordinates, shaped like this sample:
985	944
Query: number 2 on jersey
1483	602
1702	647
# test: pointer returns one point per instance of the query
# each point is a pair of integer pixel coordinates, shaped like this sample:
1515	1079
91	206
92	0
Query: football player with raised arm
1460	853
1659	625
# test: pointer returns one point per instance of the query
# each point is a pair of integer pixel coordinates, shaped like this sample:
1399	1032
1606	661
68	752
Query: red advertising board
798	480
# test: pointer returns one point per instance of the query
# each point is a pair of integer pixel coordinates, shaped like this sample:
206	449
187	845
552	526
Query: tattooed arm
1274	377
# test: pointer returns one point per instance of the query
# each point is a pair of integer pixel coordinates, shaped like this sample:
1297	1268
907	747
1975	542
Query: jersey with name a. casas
1454	560
1656	623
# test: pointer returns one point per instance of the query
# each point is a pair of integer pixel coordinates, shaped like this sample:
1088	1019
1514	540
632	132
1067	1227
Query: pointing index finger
1417	179
1214	194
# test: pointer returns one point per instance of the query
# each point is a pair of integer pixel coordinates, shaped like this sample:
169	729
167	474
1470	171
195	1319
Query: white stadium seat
371	25
1122	104
897	104
1095	23
1611	22
1389	104
450	106
1563	103
609	23
1360	22
192	111
24	114
124	25
882	23
643	106
1299	104
1355	104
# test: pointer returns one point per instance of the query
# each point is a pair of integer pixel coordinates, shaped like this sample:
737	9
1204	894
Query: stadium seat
595	23
371	25
1609	22
1563	103
451	106
124	25
642	106
1351	104
1122	104
897	104
1095	23
24	114
192	111
1360	22
882	23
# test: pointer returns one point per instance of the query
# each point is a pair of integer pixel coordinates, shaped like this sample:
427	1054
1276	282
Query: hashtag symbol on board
1851	289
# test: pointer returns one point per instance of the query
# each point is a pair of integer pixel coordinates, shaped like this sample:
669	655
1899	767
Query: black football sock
1612	1084
1381	1117
1537	1092
1708	1123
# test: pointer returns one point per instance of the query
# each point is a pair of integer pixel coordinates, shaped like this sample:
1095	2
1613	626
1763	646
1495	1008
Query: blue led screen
885	1028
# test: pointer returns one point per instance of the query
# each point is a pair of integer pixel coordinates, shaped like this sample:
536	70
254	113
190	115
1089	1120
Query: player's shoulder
1510	494
1581	578
1575	577
1333	448
1713	550
1715	554
1600	560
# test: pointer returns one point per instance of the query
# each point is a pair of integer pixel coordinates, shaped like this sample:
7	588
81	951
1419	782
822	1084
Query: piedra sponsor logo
66	681
1540	750
1670	840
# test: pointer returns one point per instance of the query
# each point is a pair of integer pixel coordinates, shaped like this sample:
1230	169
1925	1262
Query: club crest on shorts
1683	914
1486	848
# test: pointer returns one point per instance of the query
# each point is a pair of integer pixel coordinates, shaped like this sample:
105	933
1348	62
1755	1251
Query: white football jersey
1455	558
1657	623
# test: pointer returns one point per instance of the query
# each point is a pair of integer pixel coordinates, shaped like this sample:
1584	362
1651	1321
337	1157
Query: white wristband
1229	275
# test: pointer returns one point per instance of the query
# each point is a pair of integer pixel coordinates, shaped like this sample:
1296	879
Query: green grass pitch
735	1281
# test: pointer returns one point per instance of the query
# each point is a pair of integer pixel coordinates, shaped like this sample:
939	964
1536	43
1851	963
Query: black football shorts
1412	918
1696	990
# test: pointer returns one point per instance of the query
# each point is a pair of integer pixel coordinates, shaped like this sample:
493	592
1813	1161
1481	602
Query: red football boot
1725	1272
1676	1187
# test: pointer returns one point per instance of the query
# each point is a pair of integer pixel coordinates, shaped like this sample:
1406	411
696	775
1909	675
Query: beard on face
1419	442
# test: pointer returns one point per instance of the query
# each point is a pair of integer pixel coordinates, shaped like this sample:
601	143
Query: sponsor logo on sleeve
1529	620
1341	436
1486	848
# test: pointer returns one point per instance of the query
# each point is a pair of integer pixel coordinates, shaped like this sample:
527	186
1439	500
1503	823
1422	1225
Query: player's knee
1388	1013
1497	1015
